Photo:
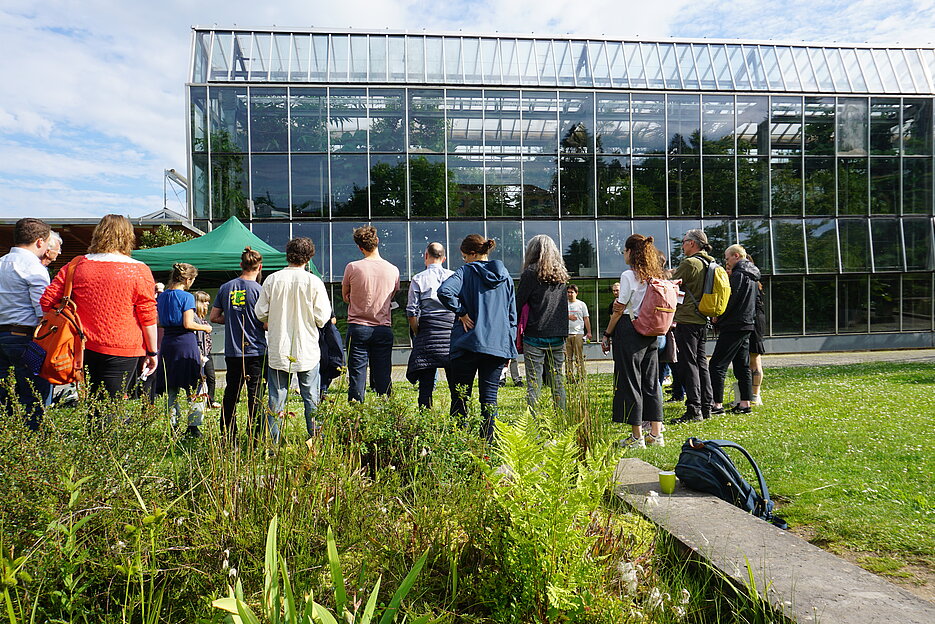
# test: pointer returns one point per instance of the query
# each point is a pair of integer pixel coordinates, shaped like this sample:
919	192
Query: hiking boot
632	443
658	440
687	418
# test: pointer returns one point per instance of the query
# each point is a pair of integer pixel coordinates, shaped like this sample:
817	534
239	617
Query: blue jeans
279	391
461	372
542	363
32	391
196	414
373	346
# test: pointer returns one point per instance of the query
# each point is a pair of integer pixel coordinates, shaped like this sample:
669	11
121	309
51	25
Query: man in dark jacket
735	327
691	329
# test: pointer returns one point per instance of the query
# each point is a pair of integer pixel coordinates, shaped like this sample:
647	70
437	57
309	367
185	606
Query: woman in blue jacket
480	293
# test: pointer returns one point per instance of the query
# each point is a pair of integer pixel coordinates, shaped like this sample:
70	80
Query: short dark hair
366	237
435	250
572	287
28	230
299	251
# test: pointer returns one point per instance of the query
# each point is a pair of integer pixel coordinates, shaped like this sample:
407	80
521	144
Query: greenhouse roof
317	56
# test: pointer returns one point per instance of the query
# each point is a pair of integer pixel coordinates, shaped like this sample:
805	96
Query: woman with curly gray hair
542	289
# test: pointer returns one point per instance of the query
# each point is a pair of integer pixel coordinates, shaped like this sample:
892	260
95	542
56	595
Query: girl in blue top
179	352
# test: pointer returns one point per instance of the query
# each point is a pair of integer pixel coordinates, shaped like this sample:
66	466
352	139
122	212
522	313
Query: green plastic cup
667	481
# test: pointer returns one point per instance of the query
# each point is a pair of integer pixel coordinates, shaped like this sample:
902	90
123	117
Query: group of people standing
637	381
469	323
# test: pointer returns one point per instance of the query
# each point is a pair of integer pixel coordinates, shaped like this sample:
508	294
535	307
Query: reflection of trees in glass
577	172
820	309
309	131
426	130
387	133
649	186
228	178
786	186
613	187
754	236
822	239
917	126
268	124
580	253
786	308
427	182
388	189
852	186
855	245
819	186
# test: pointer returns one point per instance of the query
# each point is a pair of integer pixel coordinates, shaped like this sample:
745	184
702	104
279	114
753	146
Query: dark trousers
461	372
693	368
210	379
110	377
371	346
31	390
732	347
426	380
114	375
636	376
240	371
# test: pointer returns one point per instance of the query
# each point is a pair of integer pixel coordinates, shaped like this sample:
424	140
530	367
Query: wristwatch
152	353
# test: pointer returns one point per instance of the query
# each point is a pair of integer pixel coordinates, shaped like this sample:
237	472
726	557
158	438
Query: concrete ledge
804	582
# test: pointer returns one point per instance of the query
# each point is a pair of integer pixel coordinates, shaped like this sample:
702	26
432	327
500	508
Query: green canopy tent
218	250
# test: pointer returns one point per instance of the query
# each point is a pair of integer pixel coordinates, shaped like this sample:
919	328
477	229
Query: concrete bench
802	581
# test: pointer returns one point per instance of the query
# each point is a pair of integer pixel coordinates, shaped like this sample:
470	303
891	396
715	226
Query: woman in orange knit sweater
114	296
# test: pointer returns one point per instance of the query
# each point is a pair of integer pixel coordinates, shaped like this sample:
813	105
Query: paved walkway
775	361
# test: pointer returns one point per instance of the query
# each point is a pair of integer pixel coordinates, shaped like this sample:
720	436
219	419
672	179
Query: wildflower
679	611
232	573
685	596
628	575
652	499
655	598
425	451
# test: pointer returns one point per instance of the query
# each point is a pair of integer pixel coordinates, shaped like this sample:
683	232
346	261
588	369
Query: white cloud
58	200
94	91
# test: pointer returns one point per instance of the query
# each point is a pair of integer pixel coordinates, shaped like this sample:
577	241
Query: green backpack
716	291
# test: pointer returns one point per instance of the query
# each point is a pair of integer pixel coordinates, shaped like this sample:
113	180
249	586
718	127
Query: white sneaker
756	400
632	443
658	440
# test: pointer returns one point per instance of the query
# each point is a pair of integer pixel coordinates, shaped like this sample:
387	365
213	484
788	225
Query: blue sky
92	108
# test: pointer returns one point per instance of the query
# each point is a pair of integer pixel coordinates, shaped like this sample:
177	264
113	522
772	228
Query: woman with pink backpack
636	358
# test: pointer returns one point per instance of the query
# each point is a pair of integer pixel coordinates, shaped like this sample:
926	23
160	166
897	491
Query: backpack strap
704	267
764	491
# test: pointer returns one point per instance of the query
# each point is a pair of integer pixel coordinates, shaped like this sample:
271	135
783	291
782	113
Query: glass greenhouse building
817	158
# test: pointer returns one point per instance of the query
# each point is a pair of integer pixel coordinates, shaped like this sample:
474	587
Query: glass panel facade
436	136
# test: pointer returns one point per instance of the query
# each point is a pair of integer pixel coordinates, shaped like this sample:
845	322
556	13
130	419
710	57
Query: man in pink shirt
368	288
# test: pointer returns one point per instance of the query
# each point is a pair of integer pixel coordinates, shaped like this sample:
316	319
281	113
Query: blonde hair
113	234
202	303
736	249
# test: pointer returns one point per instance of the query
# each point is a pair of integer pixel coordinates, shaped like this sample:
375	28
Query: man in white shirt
579	330
294	305
23	279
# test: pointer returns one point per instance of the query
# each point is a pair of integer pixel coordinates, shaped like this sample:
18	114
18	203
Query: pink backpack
658	308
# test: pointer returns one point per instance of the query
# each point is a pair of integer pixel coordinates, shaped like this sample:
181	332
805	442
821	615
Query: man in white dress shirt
294	304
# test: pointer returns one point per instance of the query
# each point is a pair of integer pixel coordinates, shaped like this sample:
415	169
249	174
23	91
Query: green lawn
846	451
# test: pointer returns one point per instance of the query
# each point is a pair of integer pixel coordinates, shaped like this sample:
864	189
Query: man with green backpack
707	291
